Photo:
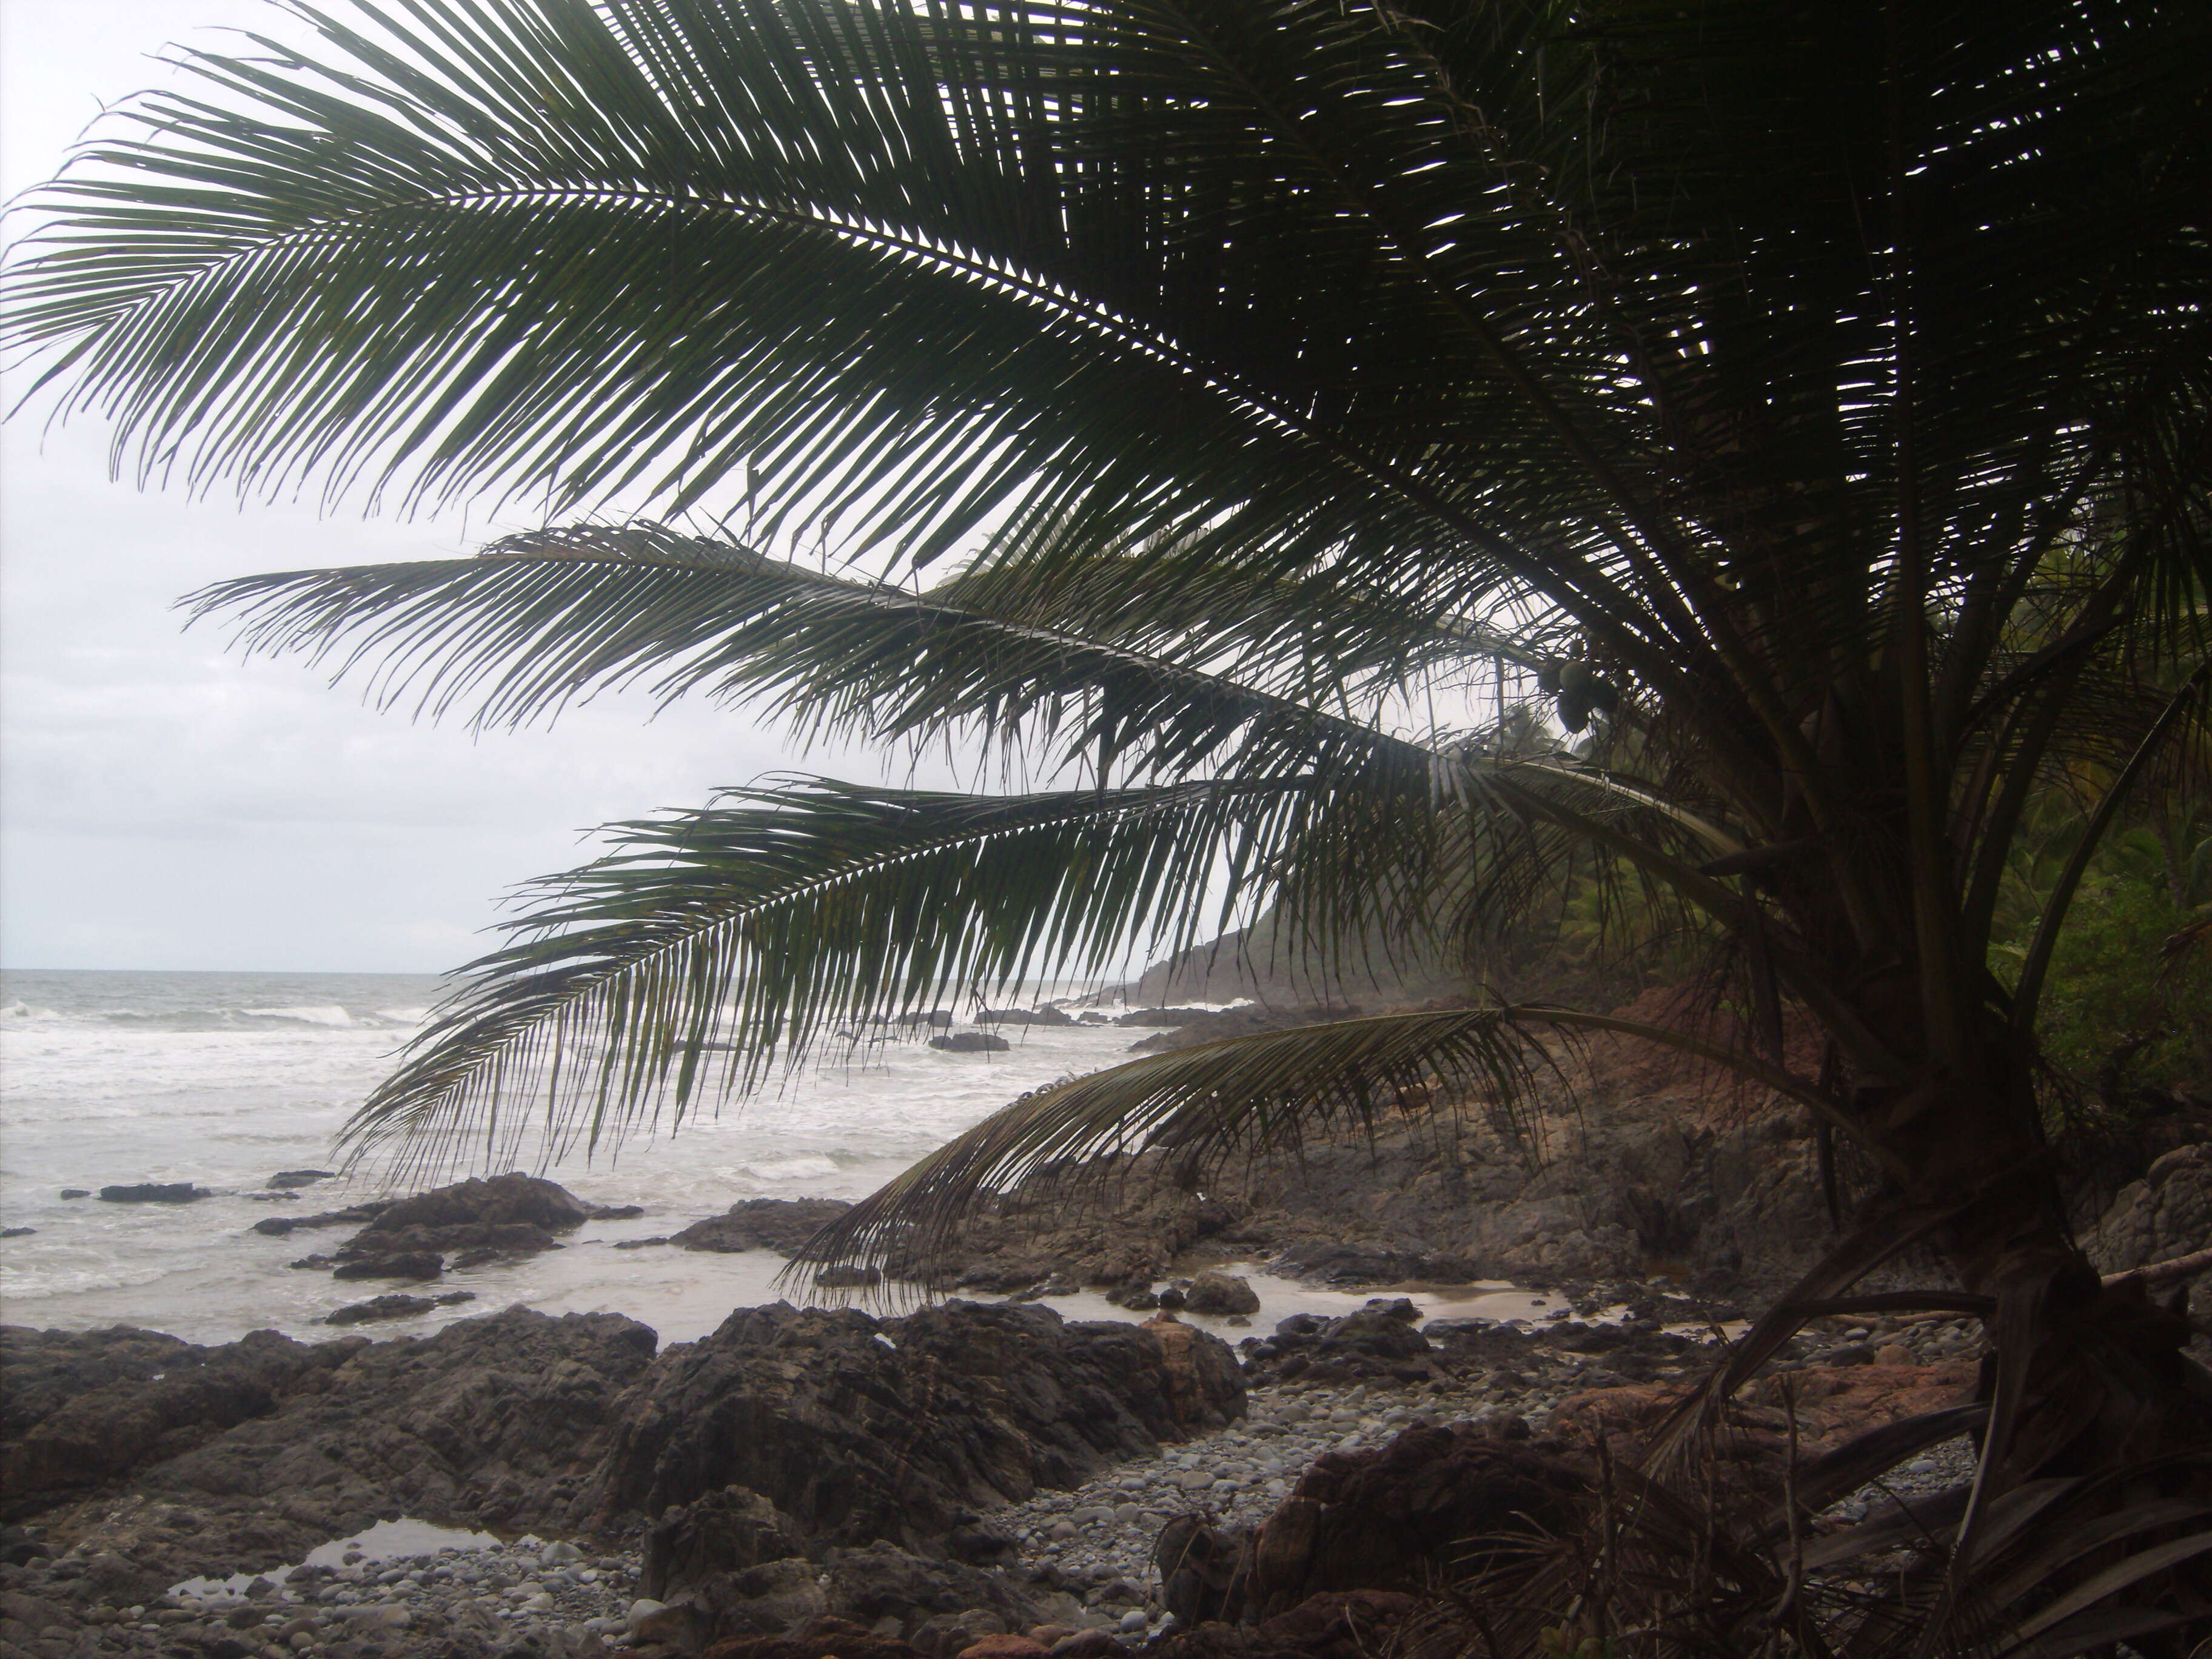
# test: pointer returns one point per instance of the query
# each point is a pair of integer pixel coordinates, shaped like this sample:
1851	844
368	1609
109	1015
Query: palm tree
1809	402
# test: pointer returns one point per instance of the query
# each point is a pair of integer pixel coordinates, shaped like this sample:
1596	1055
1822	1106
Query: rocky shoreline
732	1490
982	1479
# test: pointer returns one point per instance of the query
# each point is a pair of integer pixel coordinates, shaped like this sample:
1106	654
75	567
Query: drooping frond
544	619
1201	1106
712	944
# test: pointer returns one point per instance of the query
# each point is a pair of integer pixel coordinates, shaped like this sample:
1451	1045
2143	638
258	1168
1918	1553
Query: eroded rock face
2166	1214
861	1430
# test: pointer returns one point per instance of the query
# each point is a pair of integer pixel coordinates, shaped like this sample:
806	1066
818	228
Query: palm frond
543	619
1201	1106
712	945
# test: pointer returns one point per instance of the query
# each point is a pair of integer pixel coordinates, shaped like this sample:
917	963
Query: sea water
223	1079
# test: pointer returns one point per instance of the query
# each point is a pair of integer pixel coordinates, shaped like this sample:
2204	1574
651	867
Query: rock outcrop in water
781	1225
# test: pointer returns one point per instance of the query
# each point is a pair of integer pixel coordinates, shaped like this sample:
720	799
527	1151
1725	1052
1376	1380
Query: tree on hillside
1809	403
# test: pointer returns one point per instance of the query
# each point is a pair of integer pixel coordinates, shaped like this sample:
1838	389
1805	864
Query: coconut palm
1806	405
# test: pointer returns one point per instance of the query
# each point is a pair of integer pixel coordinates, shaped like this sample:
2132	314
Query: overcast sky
164	805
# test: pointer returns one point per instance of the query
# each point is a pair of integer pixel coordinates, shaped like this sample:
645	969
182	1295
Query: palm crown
1809	401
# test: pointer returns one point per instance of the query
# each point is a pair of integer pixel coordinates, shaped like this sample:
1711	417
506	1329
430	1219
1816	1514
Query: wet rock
248	1456
971	1043
617	1211
75	1191
723	1532
902	1429
506	1200
395	1306
845	1276
640	1243
1023	1016
353	1215
289	1180
16	1232
781	1225
474	1221
413	1264
1221	1293
154	1192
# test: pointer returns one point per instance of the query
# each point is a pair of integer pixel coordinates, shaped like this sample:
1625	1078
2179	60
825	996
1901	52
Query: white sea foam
222	1079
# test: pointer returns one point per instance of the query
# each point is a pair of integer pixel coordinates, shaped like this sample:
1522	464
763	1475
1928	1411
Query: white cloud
166	805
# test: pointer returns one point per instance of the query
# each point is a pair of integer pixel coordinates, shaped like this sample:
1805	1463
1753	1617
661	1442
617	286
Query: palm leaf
1200	1106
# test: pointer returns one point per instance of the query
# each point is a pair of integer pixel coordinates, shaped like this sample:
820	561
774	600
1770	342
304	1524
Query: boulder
499	1201
1023	1016
291	1180
154	1192
76	1192
902	1429
1376	1331
781	1225
1398	1515
971	1043
475	1220
1221	1293
2167	1213
725	1531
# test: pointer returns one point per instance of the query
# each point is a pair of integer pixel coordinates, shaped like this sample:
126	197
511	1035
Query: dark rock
640	1243
154	1192
288	1179
314	1263
16	1232
415	1264
1163	1016
352	1216
475	1220
395	1306
1222	1293
884	1582
1201	1570
469	1242
845	1276
1373	1331
971	1043
617	1211
979	1544
1137	1296
1396	1516
817	1639
723	1532
500	1201
75	1191
948	1635
781	1225
958	1409
1023	1016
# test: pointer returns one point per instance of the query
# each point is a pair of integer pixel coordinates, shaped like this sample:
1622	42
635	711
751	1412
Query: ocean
223	1079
